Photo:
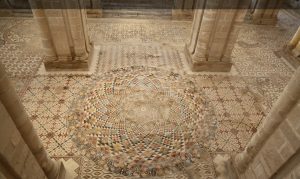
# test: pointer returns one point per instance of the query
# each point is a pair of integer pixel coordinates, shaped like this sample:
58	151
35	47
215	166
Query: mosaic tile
139	31
255	58
141	121
22	37
234	103
152	55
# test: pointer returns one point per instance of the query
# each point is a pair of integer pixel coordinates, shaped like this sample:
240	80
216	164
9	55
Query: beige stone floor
240	99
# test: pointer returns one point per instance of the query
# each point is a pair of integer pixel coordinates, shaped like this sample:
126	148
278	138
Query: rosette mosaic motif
141	121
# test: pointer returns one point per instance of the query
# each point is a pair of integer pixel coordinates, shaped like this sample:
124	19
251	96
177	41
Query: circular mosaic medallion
140	121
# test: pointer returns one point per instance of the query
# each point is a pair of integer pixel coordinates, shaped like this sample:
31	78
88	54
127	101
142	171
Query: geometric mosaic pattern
141	122
114	56
139	31
89	169
237	109
239	101
24	42
21	37
256	60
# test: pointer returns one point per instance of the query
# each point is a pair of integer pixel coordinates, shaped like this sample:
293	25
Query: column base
66	66
87	67
207	66
54	172
67	169
224	167
67	63
178	14
261	21
94	13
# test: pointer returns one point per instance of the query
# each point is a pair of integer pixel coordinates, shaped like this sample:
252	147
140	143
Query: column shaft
63	25
278	114
16	159
295	40
214	32
11	102
294	44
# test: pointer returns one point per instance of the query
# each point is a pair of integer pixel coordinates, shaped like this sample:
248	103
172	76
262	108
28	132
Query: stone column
294	44
16	159
214	32
11	102
276	139
264	11
63	24
183	9
291	51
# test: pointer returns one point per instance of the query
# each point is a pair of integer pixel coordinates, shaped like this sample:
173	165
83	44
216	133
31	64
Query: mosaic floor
137	30
141	64
151	121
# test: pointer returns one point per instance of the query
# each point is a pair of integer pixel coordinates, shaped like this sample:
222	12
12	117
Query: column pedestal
67	63
208	66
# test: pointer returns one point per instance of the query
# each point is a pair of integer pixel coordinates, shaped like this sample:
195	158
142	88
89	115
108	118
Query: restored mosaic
141	121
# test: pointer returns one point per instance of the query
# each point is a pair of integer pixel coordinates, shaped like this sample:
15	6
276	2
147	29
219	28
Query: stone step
135	6
139	4
157	9
22	13
136	13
